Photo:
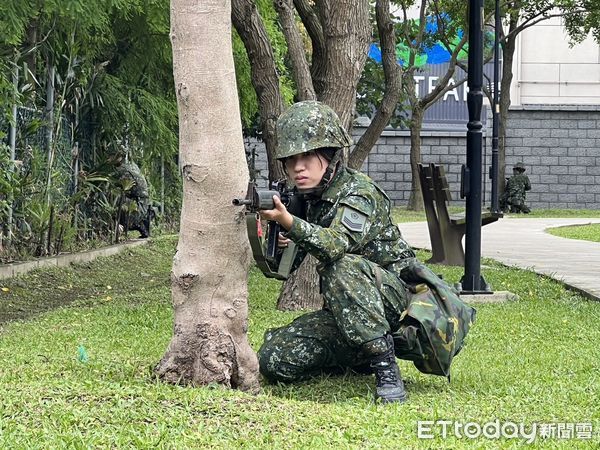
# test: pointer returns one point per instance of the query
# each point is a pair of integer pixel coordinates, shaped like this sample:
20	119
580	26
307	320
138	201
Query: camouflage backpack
434	325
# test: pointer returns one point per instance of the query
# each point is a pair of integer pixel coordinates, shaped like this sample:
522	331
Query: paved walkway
524	243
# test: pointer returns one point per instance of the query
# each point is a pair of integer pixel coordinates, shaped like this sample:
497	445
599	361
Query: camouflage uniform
515	192
362	265
136	208
371	282
359	264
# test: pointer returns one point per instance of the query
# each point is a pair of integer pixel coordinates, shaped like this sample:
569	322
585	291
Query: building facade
553	126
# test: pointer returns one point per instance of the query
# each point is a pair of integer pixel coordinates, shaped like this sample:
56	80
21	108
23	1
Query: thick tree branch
315	32
442	86
393	84
250	27
300	68
347	36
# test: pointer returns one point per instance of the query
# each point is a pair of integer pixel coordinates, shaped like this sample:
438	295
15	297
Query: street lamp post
495	207
472	281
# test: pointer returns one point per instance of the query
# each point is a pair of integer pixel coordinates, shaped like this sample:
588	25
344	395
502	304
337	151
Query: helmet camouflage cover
307	126
519	166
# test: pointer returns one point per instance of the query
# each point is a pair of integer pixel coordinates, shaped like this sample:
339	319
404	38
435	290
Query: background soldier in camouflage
369	274
514	194
136	212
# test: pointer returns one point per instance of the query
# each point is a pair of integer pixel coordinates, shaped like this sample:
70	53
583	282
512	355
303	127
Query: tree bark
508	53
250	27
393	84
297	55
209	276
311	21
415	202
347	34
301	290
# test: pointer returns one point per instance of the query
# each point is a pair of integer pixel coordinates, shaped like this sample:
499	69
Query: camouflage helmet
519	166
307	126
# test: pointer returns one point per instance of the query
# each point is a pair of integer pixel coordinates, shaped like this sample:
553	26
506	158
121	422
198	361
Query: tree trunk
312	23
415	202
249	25
30	58
393	85
508	53
296	52
209	277
301	290
12	142
49	117
347	33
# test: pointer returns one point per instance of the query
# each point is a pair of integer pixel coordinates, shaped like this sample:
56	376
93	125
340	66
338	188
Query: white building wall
547	70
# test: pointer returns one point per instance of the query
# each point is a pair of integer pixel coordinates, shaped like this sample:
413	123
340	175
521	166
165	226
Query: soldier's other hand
279	214
282	241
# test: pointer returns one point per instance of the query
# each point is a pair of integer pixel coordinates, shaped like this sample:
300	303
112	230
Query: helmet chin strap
315	193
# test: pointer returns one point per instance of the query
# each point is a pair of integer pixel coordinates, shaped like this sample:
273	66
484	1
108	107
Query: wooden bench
445	231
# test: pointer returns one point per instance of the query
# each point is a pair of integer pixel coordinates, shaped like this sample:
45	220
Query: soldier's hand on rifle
280	214
282	241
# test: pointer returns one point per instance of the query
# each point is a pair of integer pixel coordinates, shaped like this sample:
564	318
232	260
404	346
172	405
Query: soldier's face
306	169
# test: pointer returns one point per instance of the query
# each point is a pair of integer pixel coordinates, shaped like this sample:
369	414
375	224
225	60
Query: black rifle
273	263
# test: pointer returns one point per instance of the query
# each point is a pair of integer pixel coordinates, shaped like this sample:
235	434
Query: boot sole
399	399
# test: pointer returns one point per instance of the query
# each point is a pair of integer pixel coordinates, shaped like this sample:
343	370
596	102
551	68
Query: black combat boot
390	387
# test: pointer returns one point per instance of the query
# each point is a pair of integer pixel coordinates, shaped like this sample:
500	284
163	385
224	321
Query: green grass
557	213
533	360
589	232
401	214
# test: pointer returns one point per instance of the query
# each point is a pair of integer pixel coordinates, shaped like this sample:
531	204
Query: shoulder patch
353	219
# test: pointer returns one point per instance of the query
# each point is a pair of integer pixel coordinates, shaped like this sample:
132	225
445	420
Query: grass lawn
532	361
401	214
589	232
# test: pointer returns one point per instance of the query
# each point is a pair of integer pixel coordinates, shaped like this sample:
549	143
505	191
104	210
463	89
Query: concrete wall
13	270
547	70
389	161
559	144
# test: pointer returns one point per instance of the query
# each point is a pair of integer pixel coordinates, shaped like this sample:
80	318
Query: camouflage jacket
130	170
516	187
352	216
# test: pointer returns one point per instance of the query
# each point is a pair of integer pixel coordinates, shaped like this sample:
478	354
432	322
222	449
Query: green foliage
113	88
534	360
401	214
71	220
582	17
246	93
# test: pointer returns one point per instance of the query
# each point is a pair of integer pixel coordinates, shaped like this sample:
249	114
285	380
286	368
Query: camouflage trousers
134	215
363	302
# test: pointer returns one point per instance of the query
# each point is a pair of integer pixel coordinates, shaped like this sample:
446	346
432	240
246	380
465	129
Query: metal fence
32	139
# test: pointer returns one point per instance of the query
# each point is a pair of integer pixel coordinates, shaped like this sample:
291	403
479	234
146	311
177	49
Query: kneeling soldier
368	272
